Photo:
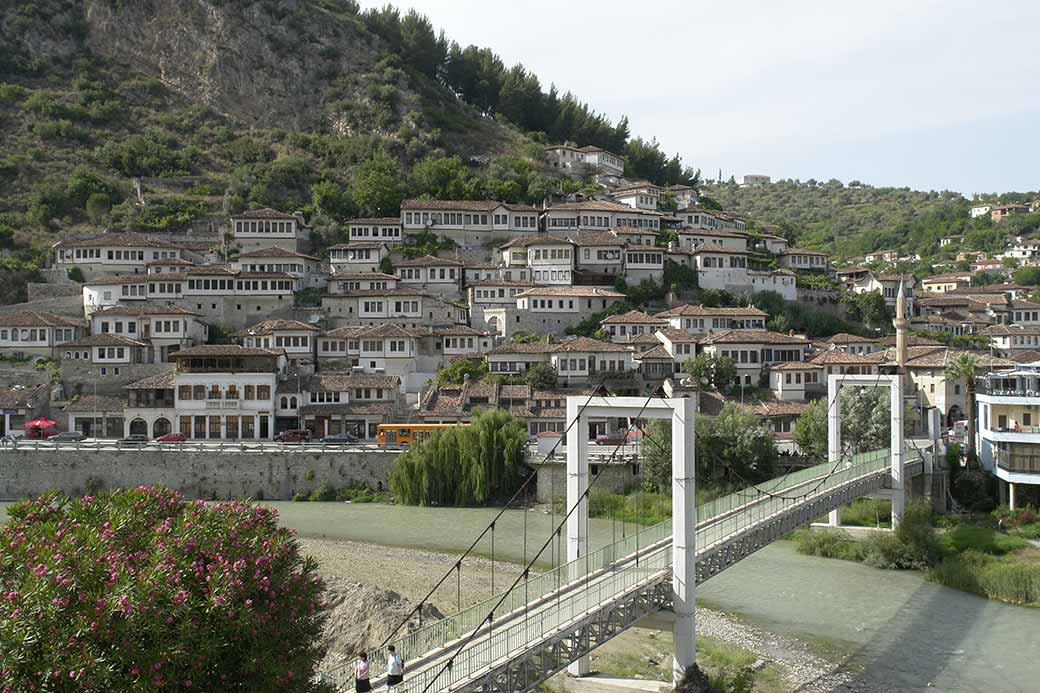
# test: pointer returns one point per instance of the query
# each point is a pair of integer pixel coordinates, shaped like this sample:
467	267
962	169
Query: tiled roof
658	352
500	282
1022	304
169	262
1026	356
358	245
275	251
104	339
389	330
18	398
716	248
796	366
147	309
633	317
263	213
268	327
429	261
598	206
705	311
222	350
384	221
345	332
525	348
587	344
349	408
340	382
575	291
161	381
939	357
911	341
768	408
677	336
753	337
990	289
263	275
803	251
536	239
361	276
212	271
638	340
600	238
465	205
125	239
837	357
1005	330
846	338
32	318
91	403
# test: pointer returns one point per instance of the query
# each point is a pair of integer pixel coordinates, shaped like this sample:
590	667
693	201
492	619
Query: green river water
905	634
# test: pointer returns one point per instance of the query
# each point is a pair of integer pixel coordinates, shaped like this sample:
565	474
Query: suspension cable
583	497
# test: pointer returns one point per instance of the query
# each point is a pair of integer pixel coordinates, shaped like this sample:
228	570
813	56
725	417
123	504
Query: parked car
173	437
339	439
296	435
135	439
67	437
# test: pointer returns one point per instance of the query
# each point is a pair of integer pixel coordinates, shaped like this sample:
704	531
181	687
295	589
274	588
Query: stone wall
67	306
79	376
616	478
39	292
208	475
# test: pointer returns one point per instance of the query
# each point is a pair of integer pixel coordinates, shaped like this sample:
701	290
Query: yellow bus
408	434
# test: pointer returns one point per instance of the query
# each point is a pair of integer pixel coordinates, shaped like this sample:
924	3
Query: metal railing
1012	462
573	587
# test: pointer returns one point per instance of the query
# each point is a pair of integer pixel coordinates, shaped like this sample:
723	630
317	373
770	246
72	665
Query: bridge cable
584	496
743	492
490	527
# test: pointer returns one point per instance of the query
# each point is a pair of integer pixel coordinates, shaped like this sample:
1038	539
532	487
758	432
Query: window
249	392
263	392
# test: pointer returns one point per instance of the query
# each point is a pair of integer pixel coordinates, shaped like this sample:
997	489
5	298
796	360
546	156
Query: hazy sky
931	94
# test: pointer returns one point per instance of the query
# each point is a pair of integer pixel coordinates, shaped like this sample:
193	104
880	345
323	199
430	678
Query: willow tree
467	465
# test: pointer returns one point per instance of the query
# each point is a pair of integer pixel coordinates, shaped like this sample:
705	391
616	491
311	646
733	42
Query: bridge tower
681	411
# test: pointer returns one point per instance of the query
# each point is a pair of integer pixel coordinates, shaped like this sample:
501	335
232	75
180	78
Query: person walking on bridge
394	668
361	683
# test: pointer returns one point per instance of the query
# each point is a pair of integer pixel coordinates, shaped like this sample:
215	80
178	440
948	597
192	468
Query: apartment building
28	333
266	228
635	322
754	350
692	238
359	256
549	309
941	283
584	361
336	403
600	253
802	259
164	329
1008	435
382	229
700	320
114	253
570	218
469	223
297	339
343	282
276	259
401	306
548	259
432	275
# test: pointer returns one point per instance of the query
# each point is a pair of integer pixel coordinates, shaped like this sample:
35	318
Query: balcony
222	404
1018	463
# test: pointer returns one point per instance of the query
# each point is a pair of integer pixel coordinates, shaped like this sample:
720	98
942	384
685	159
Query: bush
75	274
325	493
867	512
1004	579
301	497
827	543
136	590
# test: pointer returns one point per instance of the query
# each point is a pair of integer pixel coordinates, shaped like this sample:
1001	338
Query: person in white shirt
394	668
361	683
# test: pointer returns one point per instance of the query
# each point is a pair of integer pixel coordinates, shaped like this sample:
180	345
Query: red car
173	438
299	435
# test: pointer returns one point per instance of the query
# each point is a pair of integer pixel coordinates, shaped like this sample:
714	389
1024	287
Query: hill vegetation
853	219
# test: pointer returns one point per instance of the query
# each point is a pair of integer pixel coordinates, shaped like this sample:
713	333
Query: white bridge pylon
684	510
834	448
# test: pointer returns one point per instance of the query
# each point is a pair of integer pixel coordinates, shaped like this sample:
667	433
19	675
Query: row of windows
552	254
416	273
645	259
493	293
810	377
547	303
720	262
275	267
240	285
138	255
357	286
303	341
282	227
552	275
201	392
34	335
458	342
391	232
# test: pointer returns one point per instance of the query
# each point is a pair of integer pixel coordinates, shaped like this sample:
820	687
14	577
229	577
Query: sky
927	94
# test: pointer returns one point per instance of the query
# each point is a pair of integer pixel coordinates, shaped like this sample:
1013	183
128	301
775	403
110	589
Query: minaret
901	325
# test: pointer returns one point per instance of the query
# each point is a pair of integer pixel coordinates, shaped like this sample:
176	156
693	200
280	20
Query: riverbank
375	587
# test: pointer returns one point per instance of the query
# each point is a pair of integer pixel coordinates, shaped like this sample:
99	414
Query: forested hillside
854	219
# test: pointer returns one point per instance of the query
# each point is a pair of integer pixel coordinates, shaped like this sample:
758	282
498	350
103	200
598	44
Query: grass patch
867	512
980	540
1010	578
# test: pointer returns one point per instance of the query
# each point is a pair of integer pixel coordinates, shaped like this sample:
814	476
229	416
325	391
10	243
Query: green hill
854	219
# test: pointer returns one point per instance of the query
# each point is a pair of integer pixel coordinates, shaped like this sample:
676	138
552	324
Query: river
903	633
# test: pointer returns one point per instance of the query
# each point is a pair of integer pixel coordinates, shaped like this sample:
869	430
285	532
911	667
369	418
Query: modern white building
1009	433
469	223
114	253
550	260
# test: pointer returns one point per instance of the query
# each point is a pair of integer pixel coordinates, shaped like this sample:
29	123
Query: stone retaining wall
207	475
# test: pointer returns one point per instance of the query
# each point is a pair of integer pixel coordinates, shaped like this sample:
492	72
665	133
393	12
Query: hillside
256	102
854	219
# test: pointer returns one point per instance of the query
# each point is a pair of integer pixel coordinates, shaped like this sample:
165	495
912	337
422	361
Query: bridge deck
550	620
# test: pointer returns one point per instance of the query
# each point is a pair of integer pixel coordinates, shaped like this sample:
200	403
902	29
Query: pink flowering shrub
141	591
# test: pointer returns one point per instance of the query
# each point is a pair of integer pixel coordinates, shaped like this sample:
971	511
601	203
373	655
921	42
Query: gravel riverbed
373	587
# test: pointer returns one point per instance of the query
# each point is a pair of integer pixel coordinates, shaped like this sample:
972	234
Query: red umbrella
41	423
